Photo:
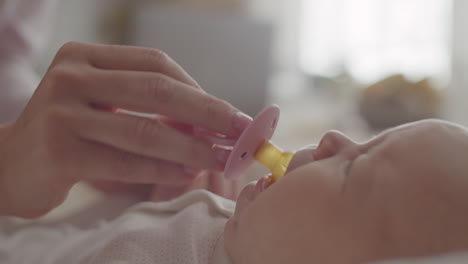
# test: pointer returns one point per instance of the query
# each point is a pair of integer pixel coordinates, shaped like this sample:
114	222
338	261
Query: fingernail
222	154
241	121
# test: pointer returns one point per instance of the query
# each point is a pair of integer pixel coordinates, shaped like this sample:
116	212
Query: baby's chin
248	195
250	192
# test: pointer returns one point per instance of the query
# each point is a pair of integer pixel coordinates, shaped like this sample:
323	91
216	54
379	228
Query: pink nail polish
241	121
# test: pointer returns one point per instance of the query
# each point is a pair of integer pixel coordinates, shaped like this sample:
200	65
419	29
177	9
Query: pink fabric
24	27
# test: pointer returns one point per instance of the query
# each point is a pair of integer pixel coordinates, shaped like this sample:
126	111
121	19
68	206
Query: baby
402	194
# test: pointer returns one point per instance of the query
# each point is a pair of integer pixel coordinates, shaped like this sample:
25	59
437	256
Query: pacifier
254	144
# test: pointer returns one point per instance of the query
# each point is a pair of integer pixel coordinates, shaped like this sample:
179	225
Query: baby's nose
302	157
332	143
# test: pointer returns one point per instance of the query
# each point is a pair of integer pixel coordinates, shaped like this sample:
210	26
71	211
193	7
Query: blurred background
358	66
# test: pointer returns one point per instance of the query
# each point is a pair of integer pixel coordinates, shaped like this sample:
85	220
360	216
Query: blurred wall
78	20
82	20
228	54
457	103
284	15
241	78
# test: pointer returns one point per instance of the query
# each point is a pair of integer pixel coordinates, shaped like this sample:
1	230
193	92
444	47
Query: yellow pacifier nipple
272	157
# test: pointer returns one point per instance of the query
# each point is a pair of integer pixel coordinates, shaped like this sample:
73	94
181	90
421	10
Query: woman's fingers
165	192
157	93
100	162
71	131
149	138
114	57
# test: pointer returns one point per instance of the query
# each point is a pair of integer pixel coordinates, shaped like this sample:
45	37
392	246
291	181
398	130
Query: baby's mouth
250	193
253	189
264	183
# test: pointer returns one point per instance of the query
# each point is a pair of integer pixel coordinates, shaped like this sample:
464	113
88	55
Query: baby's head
404	193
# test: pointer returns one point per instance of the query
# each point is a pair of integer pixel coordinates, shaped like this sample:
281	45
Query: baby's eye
346	172
348	166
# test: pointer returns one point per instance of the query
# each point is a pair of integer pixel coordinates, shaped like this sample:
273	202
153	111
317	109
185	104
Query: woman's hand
71	131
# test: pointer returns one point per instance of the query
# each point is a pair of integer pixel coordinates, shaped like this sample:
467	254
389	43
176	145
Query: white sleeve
24	27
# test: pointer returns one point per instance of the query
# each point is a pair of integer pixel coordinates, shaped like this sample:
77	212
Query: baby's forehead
426	139
417	152
429	130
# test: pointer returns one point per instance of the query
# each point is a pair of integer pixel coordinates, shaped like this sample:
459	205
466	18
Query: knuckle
158	89
63	80
146	131
156	56
68	49
61	74
211	108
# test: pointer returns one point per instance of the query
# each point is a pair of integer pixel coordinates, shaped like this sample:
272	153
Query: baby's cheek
280	217
243	238
230	238
262	228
